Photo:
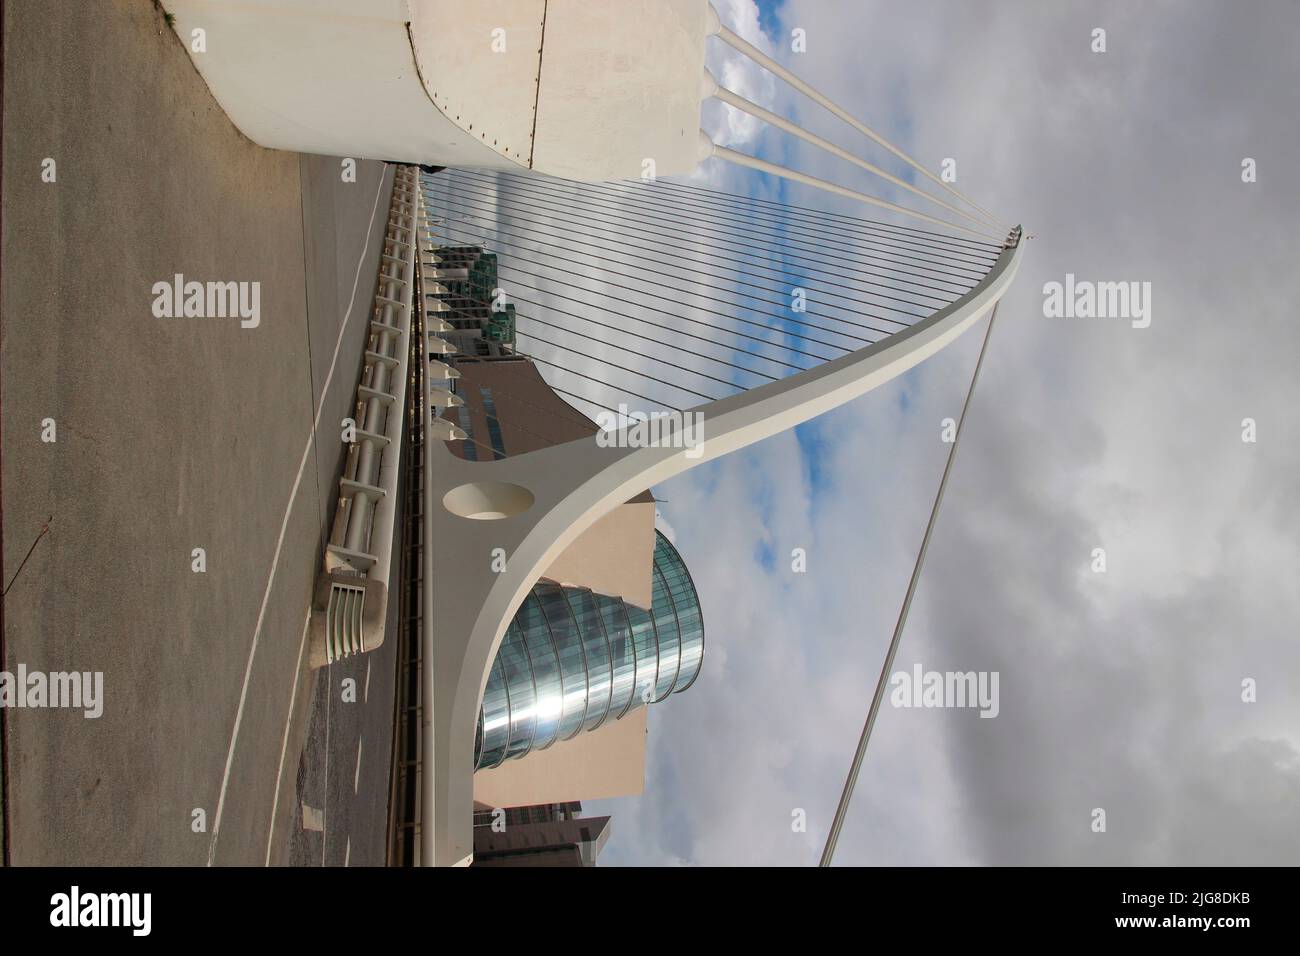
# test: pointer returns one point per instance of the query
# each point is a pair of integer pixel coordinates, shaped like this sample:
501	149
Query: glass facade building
572	659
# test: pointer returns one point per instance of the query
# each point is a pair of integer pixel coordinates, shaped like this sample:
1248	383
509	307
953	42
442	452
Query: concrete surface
172	434
345	765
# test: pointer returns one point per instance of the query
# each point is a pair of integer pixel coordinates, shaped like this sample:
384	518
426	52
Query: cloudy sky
1119	690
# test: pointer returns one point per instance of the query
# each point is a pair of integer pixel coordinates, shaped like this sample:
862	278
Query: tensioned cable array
670	295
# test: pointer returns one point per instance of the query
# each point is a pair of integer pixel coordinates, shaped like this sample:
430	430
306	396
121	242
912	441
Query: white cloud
727	126
665	527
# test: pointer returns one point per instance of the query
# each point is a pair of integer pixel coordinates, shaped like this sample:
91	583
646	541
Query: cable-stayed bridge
632	293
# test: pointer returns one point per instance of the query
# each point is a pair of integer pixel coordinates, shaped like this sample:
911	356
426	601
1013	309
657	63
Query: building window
494	423
471	452
572	659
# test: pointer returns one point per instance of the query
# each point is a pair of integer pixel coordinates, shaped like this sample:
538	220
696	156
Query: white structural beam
739	44
544	500
763	166
735	100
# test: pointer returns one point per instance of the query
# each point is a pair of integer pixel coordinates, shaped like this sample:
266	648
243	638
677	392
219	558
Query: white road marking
366	697
347	854
356	777
284	744
284	524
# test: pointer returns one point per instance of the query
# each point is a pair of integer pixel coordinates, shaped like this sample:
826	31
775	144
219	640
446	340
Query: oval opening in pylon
488	500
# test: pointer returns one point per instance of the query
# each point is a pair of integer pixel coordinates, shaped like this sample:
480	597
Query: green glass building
571	660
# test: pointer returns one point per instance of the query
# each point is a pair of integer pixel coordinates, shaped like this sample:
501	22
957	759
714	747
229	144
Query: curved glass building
573	659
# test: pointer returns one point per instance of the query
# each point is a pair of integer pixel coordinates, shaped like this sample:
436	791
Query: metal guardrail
404	798
426	397
350	603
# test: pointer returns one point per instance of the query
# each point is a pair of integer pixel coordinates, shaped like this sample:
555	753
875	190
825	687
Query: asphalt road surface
173	434
340	806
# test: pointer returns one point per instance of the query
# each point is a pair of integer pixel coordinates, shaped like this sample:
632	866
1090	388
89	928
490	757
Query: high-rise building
466	286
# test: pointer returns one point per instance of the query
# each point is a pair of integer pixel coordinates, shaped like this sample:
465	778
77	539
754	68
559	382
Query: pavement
340	805
173	434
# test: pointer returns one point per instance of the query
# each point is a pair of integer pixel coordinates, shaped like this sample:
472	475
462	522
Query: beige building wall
615	556
608	762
